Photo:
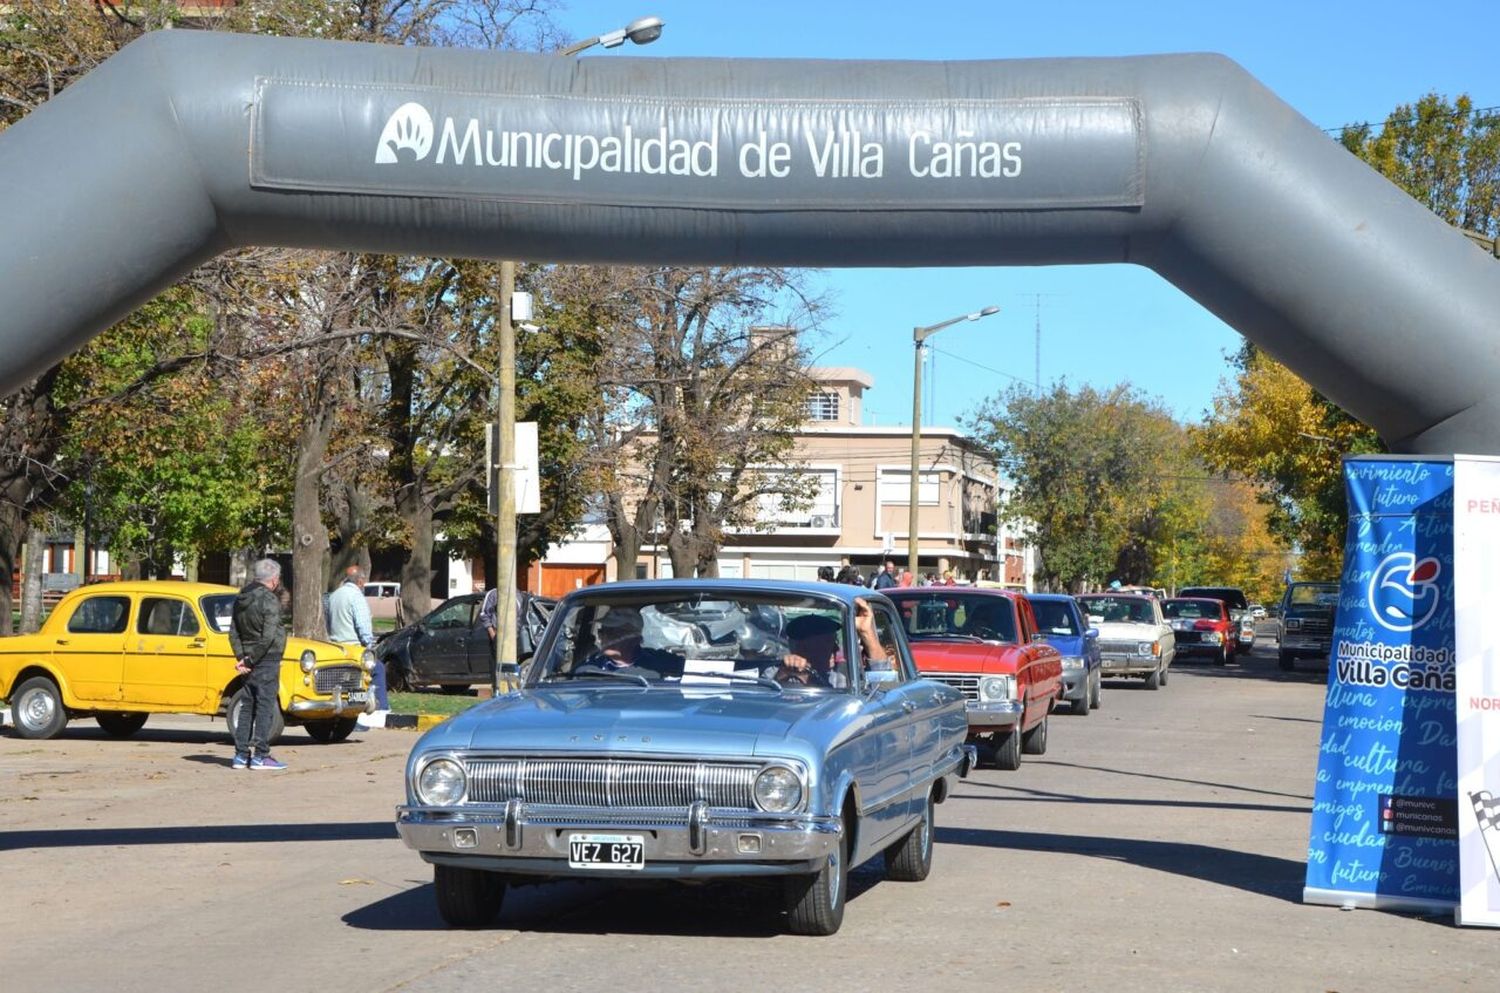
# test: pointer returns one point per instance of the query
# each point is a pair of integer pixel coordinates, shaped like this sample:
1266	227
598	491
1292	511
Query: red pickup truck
985	643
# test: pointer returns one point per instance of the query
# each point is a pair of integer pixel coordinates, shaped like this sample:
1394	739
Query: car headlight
1148	648
1292	624
1212	637
996	687
441	783
309	660
367	660
778	790
1072	662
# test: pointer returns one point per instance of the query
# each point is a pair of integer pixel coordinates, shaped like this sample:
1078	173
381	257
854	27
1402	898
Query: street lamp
918	336
642	31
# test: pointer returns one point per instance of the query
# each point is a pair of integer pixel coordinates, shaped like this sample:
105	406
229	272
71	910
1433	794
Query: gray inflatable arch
186	144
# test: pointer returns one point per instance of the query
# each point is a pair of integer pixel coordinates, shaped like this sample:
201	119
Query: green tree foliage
1087	467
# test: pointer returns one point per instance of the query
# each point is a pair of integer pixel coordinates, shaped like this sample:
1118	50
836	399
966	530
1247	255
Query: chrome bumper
339	705
533	840
1133	666
984	715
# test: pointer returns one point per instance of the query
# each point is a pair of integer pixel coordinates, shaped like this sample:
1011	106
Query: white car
1134	638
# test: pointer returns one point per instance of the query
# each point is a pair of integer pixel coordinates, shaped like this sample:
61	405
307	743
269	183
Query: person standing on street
258	639
887	577
349	624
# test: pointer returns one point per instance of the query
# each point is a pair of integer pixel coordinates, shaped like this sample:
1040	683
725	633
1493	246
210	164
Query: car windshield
949	614
1119	609
1313	596
1053	617
711	639
218	608
1176	609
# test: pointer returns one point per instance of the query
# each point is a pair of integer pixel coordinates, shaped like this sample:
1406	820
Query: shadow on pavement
1135	774
1262	874
206	834
1043	796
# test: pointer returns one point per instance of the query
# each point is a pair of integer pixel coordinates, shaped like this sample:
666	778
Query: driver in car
815	658
618	636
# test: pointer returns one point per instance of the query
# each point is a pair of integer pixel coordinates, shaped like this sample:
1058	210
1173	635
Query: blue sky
1336	62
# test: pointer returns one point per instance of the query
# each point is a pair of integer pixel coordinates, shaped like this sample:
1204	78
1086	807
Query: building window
895	487
823	406
816	503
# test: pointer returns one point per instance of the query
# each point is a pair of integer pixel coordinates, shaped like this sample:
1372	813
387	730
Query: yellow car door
166	657
90	650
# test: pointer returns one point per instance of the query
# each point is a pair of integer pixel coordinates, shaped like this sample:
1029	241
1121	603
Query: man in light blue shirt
349	623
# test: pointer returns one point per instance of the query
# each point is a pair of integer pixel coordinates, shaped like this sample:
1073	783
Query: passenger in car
618	635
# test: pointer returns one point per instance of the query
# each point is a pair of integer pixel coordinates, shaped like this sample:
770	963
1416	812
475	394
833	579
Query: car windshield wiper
739	677
586	671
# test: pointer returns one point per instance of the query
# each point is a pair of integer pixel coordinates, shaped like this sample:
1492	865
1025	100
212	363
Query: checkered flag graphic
1487	813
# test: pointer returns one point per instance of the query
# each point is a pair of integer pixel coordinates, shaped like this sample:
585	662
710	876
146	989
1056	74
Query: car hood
1066	644
964	656
627	719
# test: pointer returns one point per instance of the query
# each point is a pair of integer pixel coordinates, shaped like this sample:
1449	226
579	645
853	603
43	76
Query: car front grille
965	683
337	677
1118	647
594	782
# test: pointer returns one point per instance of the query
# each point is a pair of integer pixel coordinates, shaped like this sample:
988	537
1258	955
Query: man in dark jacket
258	639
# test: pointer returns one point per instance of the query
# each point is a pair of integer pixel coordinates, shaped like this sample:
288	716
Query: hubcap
37	709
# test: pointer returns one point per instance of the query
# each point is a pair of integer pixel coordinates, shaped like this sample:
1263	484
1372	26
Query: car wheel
815	903
239	706
1165	671
397	678
1222	659
1034	742
1153	680
1081	705
121	725
467	897
331	731
1286	660
1096	694
910	859
1008	750
36	709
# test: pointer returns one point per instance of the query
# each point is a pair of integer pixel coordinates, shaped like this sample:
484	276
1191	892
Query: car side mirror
1091	632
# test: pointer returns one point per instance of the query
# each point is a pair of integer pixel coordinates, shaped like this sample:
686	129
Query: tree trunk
12	533
239	566
31	592
353	547
416	571
309	536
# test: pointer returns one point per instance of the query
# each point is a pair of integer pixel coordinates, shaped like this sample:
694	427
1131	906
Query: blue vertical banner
1384	828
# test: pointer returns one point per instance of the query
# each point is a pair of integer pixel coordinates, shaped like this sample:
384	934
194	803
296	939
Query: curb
413	722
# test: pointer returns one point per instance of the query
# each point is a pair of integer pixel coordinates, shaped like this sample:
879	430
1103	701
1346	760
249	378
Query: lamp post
918	336
641	31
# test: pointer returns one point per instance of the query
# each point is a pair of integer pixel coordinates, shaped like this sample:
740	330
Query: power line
966	359
1449	115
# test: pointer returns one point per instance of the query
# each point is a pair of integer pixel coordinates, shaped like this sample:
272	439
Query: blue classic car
1062	622
694	729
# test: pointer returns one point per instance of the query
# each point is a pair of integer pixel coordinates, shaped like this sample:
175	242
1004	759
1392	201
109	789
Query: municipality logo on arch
406	137
1403	591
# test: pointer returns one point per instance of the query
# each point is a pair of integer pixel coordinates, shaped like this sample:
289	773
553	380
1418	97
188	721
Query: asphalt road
1157	846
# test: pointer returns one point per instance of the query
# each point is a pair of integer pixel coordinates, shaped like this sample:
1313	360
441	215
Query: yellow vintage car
118	652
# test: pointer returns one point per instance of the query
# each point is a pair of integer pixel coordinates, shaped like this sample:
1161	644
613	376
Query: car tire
1081	705
1222	659
121	725
467	897
815	903
36	709
1096	695
240	703
397	677
910	859
1008	750
1034	742
1153	679
331	731
1286	660
1165	671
